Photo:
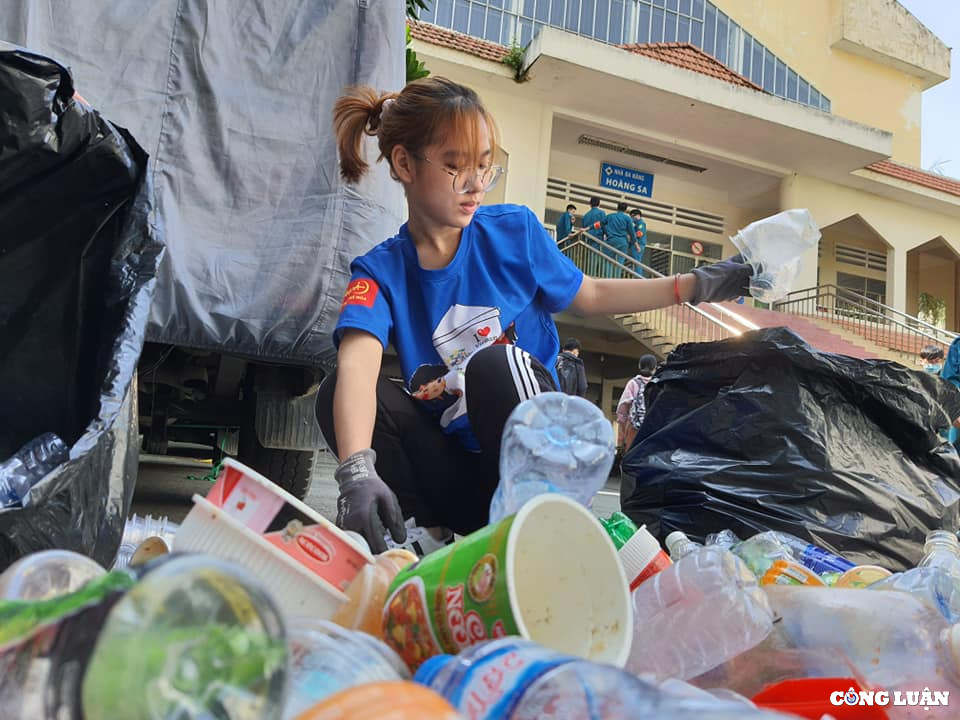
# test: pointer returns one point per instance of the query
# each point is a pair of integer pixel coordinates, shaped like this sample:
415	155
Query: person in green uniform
639	241
619	229
565	223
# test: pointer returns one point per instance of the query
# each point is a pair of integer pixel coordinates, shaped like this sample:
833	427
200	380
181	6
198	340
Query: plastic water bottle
893	639
813	556
514	679
620	528
936	579
701	611
47	574
552	443
679	545
28	466
326	658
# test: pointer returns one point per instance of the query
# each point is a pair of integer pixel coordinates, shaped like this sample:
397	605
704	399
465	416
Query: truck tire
289	469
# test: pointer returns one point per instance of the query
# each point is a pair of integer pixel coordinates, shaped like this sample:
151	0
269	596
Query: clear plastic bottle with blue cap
515	679
552	443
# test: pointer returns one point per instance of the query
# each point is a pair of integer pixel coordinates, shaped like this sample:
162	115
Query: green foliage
414	7
514	60
415	67
932	309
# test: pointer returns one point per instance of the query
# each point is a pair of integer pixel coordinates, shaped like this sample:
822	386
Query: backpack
638	409
568	375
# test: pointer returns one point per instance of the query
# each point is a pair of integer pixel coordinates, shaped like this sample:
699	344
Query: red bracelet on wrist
676	290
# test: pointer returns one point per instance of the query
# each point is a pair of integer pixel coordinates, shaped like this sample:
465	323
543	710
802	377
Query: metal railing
671	325
880	324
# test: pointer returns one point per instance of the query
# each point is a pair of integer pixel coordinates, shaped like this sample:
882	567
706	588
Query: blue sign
626	180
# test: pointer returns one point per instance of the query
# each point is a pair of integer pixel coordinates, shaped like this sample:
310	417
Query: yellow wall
801	34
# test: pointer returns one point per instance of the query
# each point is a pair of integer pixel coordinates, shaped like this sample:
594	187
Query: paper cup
549	573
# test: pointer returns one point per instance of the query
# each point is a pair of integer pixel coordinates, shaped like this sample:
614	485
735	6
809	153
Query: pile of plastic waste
258	607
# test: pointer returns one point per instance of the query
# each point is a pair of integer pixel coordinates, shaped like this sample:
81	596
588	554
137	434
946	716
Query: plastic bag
774	245
764	432
78	261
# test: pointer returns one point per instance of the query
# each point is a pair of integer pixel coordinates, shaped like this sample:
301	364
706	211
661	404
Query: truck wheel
290	469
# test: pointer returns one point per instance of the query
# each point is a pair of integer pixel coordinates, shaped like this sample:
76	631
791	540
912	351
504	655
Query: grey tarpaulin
78	262
763	432
232	100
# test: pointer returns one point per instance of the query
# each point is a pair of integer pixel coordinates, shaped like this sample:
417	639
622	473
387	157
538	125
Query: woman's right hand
365	501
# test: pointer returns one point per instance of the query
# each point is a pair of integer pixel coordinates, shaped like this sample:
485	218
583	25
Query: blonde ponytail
354	115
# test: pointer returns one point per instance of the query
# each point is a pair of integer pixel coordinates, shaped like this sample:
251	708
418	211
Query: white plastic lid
674	539
638	552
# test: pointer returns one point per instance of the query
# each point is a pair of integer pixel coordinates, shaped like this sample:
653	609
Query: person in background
570	369
932	358
465	294
629	416
565	223
951	373
619	230
592	221
639	240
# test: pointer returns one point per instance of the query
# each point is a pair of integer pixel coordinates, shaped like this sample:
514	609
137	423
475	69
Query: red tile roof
690	57
916	176
436	35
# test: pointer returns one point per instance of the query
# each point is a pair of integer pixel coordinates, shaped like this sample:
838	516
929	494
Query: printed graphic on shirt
462	331
362	291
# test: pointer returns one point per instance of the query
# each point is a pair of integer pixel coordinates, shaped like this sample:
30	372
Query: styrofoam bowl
296	589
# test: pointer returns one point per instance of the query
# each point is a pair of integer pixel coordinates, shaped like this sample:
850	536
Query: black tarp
78	261
763	432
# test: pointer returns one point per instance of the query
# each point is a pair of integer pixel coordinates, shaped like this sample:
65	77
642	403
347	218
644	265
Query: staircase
829	318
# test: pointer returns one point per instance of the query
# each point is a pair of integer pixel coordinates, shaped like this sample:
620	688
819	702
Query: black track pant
436	480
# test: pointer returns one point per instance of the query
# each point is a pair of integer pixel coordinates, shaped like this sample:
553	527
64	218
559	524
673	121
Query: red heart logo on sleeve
484	331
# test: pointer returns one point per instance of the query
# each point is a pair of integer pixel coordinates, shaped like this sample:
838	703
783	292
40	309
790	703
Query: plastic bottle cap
431	668
640	551
673	539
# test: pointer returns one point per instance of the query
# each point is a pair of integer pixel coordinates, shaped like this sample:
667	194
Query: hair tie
386	103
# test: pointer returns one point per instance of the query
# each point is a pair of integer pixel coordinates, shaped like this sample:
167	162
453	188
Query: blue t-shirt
502	285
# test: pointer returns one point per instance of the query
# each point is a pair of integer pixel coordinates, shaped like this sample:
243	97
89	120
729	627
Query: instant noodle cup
862	576
549	574
397	700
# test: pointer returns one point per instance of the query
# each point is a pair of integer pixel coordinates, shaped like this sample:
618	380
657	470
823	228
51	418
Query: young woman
464	293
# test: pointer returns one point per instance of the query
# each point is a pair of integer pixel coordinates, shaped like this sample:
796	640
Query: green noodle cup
549	574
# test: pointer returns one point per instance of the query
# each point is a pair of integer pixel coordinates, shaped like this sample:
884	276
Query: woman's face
430	194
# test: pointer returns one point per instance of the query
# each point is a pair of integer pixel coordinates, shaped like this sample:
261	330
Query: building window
869	287
627	21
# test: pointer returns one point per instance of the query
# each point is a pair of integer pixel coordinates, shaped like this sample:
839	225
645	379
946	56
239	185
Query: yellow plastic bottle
368	592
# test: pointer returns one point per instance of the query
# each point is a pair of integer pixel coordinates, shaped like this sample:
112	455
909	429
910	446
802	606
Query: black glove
364	498
725	280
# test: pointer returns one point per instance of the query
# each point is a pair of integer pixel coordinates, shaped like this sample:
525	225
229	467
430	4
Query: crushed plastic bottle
552	443
895	640
515	679
28	466
813	557
701	611
47	574
936	579
774	246
326	658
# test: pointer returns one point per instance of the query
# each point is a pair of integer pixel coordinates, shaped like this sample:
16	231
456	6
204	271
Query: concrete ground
166	485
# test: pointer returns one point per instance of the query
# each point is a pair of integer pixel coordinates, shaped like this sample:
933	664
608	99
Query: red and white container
307	563
642	557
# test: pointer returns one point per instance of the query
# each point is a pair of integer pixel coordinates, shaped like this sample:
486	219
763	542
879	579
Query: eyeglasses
465	179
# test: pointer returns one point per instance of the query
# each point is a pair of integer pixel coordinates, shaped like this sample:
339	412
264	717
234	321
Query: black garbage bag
764	432
78	259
